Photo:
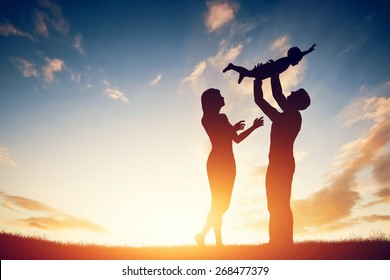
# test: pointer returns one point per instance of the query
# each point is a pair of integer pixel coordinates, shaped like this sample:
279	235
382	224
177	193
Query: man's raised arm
277	92
270	111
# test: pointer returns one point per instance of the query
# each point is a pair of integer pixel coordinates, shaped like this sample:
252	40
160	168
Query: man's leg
278	188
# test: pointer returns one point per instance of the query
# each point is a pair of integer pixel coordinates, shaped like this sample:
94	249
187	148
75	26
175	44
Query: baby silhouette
262	71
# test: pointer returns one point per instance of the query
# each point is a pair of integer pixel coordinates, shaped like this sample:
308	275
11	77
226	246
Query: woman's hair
208	99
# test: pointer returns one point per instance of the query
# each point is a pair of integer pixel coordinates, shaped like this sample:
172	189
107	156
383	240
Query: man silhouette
284	130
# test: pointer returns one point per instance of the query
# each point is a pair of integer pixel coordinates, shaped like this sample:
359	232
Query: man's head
295	55
300	99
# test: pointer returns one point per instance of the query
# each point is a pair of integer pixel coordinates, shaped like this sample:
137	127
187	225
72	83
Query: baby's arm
309	50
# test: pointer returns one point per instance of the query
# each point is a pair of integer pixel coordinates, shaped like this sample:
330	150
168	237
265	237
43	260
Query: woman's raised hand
239	126
258	122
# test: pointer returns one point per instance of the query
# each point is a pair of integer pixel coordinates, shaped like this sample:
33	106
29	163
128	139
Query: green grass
17	246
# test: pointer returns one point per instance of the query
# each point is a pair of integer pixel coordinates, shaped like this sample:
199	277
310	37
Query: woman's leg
218	236
221	175
210	222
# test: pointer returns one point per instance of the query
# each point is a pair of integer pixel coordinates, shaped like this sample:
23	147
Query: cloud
40	24
52	66
7	29
13	202
259	170
225	55
281	45
219	14
5	158
59	223
383	196
75	77
156	80
294	74
77	43
50	218
371	109
375	218
346	50
192	79
300	155
327	206
50	16
334	203
114	93
219	61
25	67
381	170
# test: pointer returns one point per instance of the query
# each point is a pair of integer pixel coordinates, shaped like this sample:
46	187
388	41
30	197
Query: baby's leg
241	70
240	78
229	67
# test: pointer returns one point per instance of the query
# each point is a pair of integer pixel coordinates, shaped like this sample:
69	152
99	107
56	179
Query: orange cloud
50	15
156	80
25	67
25	203
375	218
334	203
383	195
259	170
7	29
50	219
52	66
77	43
59	223
219	14
281	44
193	78
114	93
5	158
225	55
381	170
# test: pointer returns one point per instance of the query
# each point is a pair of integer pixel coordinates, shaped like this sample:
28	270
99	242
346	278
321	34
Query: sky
100	133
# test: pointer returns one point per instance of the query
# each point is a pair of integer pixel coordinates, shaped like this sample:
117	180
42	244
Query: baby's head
295	55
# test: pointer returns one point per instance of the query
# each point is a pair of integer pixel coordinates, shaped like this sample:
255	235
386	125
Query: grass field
16	247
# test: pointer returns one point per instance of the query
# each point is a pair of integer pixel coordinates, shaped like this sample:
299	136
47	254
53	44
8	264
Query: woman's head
295	55
212	100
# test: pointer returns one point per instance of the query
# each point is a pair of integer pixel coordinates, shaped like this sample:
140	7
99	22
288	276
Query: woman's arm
256	124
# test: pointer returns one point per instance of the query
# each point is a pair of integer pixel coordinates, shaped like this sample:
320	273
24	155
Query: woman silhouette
221	165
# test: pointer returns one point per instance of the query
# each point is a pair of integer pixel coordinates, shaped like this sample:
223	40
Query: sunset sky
100	133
